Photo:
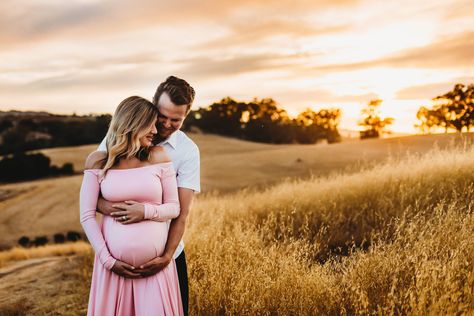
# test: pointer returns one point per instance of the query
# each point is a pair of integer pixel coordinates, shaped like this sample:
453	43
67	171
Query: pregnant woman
131	169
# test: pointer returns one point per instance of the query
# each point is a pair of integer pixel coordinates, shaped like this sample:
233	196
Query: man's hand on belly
105	207
129	212
153	266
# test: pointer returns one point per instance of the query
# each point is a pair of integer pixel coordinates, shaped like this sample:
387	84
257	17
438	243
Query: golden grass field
354	239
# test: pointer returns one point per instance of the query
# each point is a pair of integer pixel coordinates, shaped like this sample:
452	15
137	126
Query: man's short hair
179	91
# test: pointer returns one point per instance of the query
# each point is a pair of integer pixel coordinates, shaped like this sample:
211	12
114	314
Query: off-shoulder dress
110	294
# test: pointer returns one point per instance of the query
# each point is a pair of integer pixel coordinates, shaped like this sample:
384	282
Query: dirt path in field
19	266
43	286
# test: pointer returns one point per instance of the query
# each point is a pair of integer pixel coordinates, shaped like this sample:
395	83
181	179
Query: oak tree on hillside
372	122
452	110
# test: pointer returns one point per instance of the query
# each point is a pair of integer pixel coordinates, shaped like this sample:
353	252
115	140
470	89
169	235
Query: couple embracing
142	178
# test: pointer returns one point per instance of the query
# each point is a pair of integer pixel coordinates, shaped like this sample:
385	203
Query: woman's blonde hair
132	120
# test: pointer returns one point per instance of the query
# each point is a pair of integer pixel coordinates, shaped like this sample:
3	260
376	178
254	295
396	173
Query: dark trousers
183	280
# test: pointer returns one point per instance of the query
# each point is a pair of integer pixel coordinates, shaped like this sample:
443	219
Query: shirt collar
172	140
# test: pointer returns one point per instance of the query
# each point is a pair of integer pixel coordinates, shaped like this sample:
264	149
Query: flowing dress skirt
134	244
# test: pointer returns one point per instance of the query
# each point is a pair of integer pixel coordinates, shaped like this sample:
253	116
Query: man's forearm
105	207
178	224
175	234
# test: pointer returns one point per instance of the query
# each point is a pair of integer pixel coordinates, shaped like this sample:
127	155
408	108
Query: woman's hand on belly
125	270
153	266
130	212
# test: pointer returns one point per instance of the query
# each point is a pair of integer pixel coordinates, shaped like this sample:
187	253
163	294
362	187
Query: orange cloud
33	21
456	51
432	90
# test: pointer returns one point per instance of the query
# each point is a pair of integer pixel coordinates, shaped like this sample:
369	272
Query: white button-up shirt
184	154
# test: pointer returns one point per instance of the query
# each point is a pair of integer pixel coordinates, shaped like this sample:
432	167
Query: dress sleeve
169	209
89	194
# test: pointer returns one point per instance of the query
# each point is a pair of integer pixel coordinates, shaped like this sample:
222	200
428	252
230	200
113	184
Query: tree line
22	166
264	121
24	131
58	238
260	120
21	132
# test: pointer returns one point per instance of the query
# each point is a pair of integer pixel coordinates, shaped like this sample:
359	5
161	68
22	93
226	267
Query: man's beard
158	138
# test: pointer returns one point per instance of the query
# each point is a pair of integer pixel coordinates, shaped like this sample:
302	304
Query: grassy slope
49	206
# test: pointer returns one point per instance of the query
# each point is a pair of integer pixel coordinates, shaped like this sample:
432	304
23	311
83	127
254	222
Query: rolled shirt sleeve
189	171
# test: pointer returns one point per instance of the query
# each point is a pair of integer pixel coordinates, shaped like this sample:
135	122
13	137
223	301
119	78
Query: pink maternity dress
110	294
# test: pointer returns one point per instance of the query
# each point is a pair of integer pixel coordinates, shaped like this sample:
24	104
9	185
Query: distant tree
267	123
431	119
24	241
5	125
458	105
59	238
40	241
101	125
372	122
30	166
452	110
67	168
333	136
24	167
329	119
73	236
14	140
311	127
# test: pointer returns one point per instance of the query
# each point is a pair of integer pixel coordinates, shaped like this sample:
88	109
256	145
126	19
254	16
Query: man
173	99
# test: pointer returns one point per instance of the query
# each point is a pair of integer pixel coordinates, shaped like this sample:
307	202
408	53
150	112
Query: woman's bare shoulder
158	155
95	160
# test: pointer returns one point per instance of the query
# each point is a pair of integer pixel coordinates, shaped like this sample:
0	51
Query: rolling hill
45	207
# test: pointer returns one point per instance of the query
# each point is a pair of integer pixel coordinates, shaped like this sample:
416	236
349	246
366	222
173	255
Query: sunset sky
85	56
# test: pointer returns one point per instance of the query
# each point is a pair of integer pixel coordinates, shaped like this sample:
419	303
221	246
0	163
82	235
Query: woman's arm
88	203
169	209
89	193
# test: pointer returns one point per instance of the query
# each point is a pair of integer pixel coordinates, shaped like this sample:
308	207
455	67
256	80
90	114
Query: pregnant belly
135	243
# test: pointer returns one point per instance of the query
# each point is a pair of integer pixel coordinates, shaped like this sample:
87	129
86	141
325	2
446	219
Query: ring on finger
124	217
